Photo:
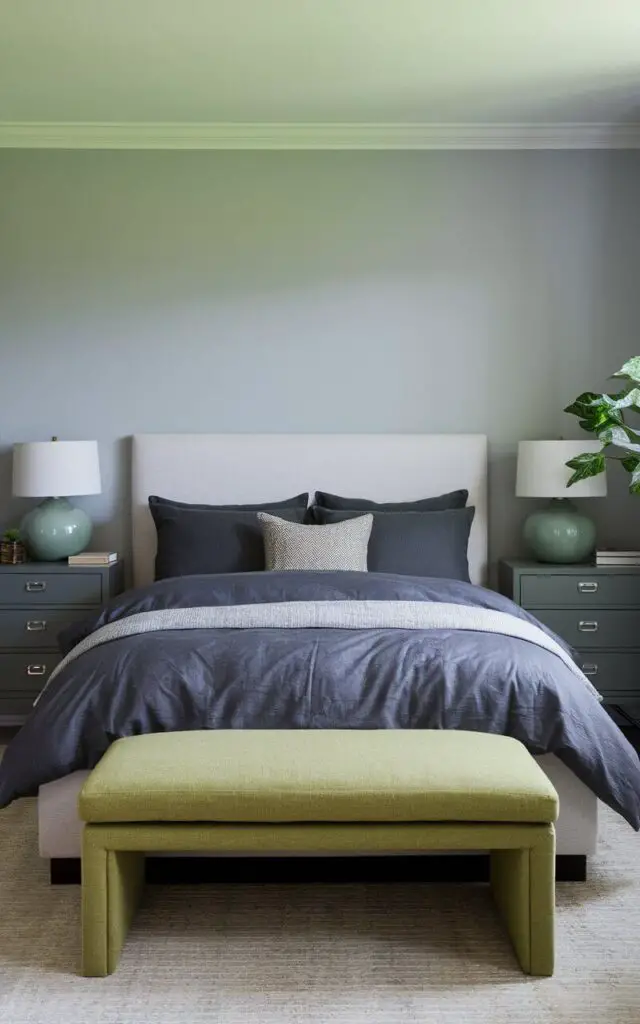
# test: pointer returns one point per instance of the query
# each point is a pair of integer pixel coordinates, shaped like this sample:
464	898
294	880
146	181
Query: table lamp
55	529
558	533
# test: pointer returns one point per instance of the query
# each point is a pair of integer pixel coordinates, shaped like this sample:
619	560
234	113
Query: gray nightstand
596	609
37	600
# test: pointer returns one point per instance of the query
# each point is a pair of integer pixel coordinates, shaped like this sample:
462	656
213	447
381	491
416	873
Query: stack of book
607	556
94	558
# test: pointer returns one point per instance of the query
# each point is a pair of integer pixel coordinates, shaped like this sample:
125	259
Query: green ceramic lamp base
55	529
560	534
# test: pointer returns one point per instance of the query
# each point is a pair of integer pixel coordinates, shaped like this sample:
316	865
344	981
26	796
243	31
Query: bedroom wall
314	292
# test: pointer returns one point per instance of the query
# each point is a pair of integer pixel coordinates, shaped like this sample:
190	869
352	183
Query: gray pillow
196	539
454	499
298	501
339	546
414	543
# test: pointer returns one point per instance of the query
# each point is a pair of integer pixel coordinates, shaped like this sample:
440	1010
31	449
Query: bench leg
112	883
523	884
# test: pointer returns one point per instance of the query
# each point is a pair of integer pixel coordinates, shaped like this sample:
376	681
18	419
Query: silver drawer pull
590	668
36	670
588	587
35	586
36	625
587	627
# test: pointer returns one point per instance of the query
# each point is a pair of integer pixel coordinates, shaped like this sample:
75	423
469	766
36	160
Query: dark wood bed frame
432	868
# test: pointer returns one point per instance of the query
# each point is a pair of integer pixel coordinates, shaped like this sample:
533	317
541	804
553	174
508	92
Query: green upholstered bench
321	791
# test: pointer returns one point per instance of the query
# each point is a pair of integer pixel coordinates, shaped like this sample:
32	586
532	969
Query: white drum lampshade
558	533
54	470
43	469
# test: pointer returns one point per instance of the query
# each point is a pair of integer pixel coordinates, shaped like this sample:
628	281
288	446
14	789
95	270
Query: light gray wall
314	292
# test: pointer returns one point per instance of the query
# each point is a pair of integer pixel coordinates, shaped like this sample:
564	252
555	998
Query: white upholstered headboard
237	468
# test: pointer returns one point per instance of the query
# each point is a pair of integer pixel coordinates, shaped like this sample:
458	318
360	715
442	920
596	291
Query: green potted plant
12	550
606	416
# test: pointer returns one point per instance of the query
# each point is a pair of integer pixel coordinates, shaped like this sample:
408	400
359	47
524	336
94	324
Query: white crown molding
396	136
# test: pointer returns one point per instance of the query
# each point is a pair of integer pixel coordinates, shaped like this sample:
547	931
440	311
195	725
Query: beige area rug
387	954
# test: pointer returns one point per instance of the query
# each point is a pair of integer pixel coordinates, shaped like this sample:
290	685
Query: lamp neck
53	500
561	505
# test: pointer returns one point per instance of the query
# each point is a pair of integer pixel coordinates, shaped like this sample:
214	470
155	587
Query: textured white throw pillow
339	546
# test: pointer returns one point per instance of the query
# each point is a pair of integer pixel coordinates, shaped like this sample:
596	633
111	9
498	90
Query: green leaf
631	463
604	418
586	465
630	370
587	459
596	412
622	437
605	412
609	416
583	403
609	399
624	399
588	425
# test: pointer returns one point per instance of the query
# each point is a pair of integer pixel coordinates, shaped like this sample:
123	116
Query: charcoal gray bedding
284	678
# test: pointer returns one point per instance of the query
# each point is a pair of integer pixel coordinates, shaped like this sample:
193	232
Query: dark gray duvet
316	679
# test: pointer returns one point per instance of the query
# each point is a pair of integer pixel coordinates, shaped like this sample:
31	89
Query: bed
228	468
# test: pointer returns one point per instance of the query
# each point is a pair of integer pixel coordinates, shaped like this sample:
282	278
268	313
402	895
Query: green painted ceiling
319	60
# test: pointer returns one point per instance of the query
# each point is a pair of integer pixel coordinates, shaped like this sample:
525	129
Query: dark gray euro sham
298	501
453	499
214	539
316	679
414	543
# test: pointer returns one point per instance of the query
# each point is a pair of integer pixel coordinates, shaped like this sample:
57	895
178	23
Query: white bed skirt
59	827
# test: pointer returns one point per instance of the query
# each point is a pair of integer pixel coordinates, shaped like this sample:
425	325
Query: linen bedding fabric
453	499
326	615
316	678
213	538
415	543
341	546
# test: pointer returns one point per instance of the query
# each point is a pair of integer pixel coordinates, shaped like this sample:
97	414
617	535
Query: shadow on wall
611	331
594	302
11	509
112	513
5	470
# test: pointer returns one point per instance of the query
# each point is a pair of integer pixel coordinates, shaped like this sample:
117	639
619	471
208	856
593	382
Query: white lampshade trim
543	473
44	469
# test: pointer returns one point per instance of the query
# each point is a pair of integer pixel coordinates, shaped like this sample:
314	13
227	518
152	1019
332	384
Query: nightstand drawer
16	704
40	588
595	627
586	590
34	628
26	672
611	673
